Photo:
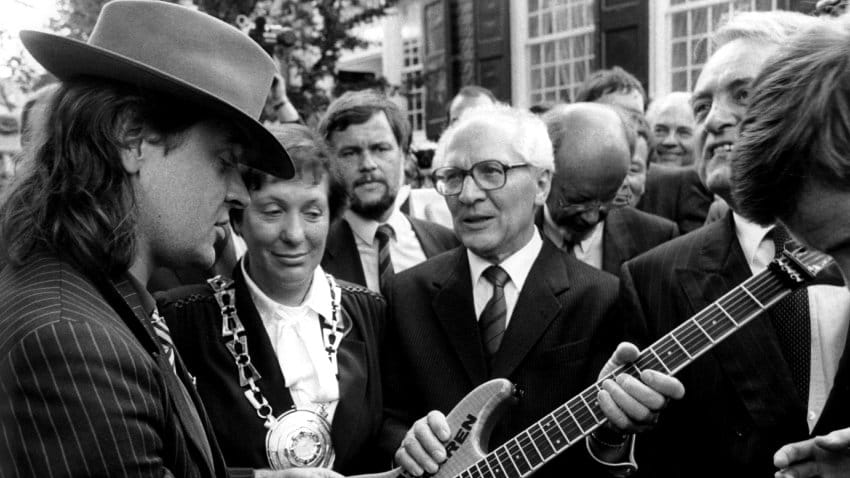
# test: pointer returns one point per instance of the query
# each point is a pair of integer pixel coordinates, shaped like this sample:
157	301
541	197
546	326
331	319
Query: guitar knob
519	391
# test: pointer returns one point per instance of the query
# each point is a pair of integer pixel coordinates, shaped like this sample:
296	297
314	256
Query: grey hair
775	27
529	138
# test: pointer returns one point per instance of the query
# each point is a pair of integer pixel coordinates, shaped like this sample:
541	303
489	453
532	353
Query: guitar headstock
800	264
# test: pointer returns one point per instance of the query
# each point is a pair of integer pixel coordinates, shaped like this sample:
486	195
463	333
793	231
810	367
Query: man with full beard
374	239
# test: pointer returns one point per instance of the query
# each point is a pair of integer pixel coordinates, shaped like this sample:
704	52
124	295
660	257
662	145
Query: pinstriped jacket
84	388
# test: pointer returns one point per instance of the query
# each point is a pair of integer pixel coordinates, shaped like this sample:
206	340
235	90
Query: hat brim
67	58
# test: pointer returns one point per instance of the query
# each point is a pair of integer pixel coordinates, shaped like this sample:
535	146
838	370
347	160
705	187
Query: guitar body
471	422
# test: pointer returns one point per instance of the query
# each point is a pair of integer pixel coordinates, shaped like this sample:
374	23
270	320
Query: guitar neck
575	419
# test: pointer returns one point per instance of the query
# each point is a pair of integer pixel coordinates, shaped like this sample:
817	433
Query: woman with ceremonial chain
285	357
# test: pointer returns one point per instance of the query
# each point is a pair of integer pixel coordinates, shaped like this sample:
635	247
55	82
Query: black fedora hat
175	50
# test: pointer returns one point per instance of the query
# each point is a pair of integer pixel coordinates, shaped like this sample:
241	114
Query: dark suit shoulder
647	220
680	252
434	238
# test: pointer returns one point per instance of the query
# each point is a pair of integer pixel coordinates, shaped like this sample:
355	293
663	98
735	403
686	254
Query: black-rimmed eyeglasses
488	175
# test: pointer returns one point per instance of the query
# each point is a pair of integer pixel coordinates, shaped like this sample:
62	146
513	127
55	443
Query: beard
375	209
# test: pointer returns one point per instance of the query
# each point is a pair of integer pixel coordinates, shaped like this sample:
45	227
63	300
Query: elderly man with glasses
506	304
593	150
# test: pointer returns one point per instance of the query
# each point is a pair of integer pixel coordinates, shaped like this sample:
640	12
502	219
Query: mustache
370	178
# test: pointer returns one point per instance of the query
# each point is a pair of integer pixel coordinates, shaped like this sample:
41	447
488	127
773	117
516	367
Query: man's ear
132	157
544	184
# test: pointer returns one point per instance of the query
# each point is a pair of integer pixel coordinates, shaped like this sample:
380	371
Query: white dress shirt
829	310
405	250
296	337
588	250
518	265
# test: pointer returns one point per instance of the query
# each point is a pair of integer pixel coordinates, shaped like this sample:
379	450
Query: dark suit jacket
342	259
556	342
194	317
740	405
628	233
84	387
678	194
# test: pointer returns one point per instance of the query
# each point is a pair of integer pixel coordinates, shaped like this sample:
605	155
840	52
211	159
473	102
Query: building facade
539	51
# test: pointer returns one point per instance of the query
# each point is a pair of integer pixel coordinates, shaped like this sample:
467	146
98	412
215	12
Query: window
559	47
691	22
411	72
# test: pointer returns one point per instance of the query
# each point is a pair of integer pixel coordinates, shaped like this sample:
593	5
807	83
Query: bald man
593	149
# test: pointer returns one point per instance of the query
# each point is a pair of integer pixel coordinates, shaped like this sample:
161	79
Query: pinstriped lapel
768	394
183	399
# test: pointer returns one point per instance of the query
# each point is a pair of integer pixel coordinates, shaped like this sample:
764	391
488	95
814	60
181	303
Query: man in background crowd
374	240
791	165
768	383
672	124
470	96
616	87
593	148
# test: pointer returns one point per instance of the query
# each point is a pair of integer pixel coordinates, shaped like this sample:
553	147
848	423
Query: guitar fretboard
579	416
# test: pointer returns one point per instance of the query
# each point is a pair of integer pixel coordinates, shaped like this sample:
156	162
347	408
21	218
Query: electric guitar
473	419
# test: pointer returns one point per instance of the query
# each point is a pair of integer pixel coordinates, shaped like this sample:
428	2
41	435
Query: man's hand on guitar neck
633	405
422	448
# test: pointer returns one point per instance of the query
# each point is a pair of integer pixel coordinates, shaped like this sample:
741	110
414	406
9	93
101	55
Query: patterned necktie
385	263
164	336
491	324
791	321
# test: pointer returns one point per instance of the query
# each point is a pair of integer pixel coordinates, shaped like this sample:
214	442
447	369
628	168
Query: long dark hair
74	198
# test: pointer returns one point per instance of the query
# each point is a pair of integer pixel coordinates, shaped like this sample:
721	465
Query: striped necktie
791	319
385	263
491	324
164	336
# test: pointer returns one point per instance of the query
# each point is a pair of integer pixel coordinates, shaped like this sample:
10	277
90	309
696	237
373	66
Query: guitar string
737	300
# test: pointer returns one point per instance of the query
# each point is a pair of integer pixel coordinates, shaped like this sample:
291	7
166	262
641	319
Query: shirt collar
318	298
365	229
553	232
750	235
518	265
146	300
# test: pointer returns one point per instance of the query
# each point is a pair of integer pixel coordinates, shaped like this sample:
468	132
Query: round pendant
299	438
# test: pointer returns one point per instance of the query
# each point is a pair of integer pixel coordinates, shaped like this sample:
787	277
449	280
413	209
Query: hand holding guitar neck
629	404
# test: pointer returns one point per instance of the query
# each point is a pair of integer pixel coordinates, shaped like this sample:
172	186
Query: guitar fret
519	458
758	302
722	309
691	338
496	466
567	424
481	471
595	418
503	456
682	347
537	457
544	445
569	409
703	331
563	432
652	349
553	432
674	356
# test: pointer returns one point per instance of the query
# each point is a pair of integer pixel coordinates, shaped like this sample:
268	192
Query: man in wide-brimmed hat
137	168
